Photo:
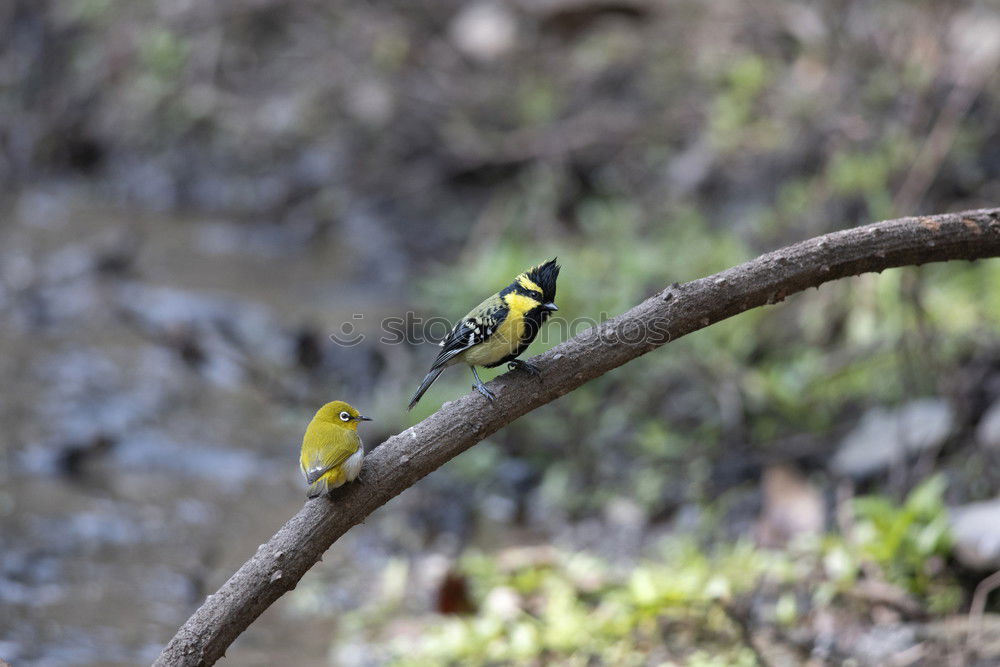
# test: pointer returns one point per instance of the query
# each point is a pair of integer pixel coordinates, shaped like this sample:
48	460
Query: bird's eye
345	416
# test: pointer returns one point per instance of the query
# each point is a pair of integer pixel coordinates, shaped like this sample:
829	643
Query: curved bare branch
676	311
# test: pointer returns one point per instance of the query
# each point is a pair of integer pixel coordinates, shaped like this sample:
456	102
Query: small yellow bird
332	452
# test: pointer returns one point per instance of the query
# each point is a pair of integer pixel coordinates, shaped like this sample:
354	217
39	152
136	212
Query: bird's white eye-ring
345	416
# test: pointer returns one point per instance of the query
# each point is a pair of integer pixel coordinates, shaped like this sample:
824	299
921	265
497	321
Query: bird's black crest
545	276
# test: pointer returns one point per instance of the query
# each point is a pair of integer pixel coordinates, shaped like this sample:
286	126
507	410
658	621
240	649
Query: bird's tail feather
424	386
320	487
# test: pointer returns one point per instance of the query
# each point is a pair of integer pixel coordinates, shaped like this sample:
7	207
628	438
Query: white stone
988	431
883	436
976	530
483	30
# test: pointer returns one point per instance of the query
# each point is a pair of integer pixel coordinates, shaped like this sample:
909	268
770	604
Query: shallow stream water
157	375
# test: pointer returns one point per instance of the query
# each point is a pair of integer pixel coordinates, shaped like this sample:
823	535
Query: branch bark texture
674	312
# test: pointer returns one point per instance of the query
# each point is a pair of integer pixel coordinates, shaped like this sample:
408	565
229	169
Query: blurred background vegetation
197	195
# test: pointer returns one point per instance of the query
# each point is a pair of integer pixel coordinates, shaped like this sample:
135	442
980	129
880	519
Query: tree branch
676	311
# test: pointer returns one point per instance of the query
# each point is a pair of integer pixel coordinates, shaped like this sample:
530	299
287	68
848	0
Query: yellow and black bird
332	452
499	329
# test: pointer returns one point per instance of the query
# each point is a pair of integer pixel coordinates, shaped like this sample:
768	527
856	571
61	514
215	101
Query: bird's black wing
471	330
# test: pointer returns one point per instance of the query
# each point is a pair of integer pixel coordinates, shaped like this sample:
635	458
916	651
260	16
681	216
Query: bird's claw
481	388
528	368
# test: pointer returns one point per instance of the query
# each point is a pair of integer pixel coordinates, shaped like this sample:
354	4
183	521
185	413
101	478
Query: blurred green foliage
578	609
163	53
574	608
736	120
910	542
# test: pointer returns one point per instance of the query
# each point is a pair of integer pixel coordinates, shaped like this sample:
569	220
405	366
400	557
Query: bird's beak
550	306
361	418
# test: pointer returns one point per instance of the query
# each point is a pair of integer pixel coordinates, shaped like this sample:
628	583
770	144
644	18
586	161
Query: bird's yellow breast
326	444
508	335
